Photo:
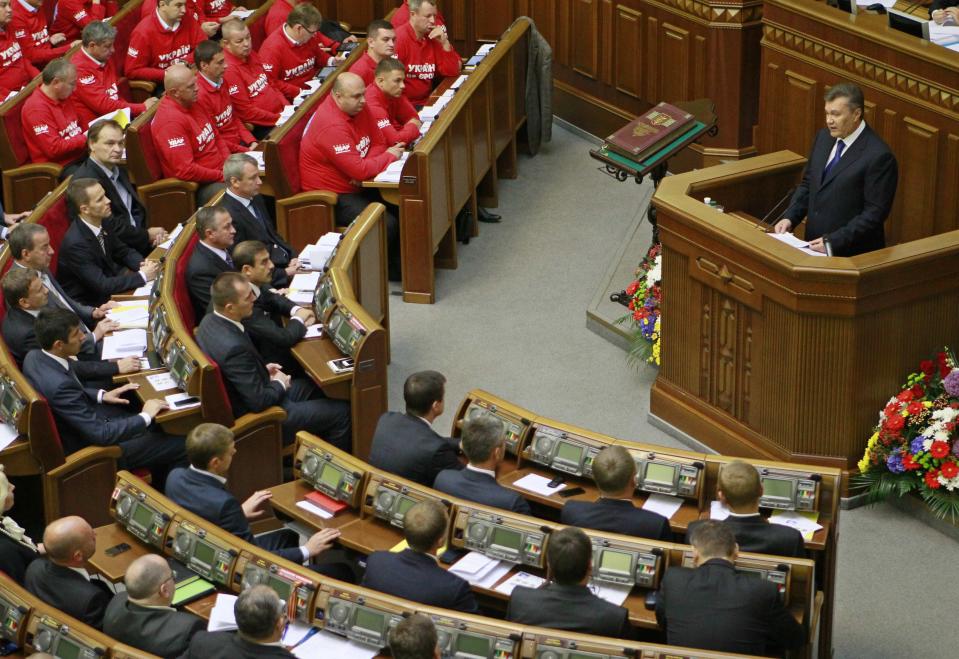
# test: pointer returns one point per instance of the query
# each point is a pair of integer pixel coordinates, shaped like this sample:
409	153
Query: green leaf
944	505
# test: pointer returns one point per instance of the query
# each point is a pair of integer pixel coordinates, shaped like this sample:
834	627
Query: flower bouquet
645	298
915	446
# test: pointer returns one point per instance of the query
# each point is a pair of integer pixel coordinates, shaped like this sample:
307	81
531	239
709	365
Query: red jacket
277	15
96	92
392	115
402	16
216	102
216	9
425	61
194	10
29	27
294	64
339	151
73	15
154	47
365	67
52	129
15	69
187	143
254	100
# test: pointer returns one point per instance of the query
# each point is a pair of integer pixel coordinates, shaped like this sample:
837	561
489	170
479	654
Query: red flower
927	366
895	422
949	469
939	450
908	463
944	370
892	409
915	407
632	288
940	358
906	395
917	391
932	479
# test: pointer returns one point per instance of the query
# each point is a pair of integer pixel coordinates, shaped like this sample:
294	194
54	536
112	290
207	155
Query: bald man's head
149	581
69	541
180	83
349	93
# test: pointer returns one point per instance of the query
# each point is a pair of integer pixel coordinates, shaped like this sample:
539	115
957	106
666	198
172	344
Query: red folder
331	506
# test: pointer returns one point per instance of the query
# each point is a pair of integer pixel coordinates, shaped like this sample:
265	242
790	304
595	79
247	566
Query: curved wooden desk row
151	523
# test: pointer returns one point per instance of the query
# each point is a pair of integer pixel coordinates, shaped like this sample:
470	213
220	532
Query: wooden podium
772	353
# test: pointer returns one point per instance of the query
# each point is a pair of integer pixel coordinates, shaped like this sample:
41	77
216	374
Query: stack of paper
169	241
793	241
485	49
162	381
459	82
302	288
430	112
121	116
129	343
131	314
538	484
323	645
143	291
314	331
221	615
520	579
480	570
313	509
663	504
425	127
393	171
315	257
258	157
611	592
804	522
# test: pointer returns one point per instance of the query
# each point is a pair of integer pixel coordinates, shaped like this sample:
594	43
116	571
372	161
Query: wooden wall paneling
918	156
584	29
543	13
652	54
360	13
627	37
802	112
481	133
490	18
460	168
501	116
674	63
698	87
459	26
948	206
561	46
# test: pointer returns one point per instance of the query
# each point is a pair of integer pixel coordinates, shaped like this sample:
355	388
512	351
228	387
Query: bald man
186	137
142	616
58	579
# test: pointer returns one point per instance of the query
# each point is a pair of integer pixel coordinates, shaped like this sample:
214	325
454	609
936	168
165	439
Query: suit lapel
851	154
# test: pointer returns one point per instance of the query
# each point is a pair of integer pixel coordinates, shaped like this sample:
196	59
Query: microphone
772	213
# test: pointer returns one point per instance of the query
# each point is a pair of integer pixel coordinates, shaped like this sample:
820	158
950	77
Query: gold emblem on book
656	120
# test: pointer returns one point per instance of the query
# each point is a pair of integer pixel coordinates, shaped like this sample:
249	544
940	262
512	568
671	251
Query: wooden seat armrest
84	457
345	26
167	184
814	619
25	186
50	168
307	198
141	90
247	422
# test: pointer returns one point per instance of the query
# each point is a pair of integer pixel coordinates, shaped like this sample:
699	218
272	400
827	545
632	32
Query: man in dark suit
271	337
251	216
712	607
142	616
849	184
128	217
253	384
740	489
414	637
25	295
614	471
565	601
406	444
211	256
260	620
94	264
86	416
69	542
484	443
201	489
413	573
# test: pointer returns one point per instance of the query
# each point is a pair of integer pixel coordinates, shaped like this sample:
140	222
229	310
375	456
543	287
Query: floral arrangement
645	297
915	446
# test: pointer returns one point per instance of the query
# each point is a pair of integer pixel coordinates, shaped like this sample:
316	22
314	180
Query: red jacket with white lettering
392	115
254	100
73	15
216	102
154	47
52	129
187	143
294	64
402	16
96	93
365	67
15	69
194	10
425	61
216	9
339	151
30	29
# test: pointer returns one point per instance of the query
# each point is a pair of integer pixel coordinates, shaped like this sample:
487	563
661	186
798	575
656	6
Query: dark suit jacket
84	311
203	268
571	607
248	383
272	339
415	576
209	498
249	227
405	445
131	228
15	557
714	608
616	516
67	590
162	632
81	420
852	202
755	534
228	645
90	275
481	488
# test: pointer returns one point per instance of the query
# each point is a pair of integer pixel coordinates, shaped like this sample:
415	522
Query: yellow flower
864	464
872	442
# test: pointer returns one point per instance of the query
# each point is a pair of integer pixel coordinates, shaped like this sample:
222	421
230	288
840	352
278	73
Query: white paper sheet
489	579
459	82
173	399
132	313
162	381
126	343
888	4
718	511
486	47
241	12
393	171
300	298
314	509
314	331
221	615
143	291
477	569
295	632
258	157
791	240
324	645
8	434
520	579
663	504
538	484
796	521
173	235
614	593
305	281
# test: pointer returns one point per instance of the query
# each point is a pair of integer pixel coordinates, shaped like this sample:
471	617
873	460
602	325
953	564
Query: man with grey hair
49	118
849	184
97	93
260	619
142	615
484	444
414	637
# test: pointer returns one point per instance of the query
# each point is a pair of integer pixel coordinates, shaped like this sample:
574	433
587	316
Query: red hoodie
193	10
29	27
73	15
277	15
216	102
187	143
96	92
217	9
294	64
254	100
365	67
52	129
402	16
392	115
15	69
338	151
426	62
154	47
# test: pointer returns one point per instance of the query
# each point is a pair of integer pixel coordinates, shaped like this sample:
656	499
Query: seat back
143	162
181	293
56	219
257	23
13	145
124	21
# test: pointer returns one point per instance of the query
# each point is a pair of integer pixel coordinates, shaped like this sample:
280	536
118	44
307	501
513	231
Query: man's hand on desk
321	541
128	365
292	267
397	150
306	315
254	506
101	311
115	396
154	406
157	235
783	226
104	327
149	269
817	245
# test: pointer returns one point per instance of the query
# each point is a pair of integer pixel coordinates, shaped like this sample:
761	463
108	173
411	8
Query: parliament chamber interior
294	298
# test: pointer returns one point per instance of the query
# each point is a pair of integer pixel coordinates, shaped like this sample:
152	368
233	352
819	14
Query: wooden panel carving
946	217
627	72
674	62
706	345
918	156
726	342
801	101
360	13
543	12
491	18
585	46
699	68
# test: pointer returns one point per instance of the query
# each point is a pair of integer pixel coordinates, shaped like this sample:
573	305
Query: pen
309	635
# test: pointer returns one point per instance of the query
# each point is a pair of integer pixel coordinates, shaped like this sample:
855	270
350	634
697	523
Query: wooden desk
313	355
175	422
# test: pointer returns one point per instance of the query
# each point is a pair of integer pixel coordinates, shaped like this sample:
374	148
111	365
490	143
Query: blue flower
894	463
916	445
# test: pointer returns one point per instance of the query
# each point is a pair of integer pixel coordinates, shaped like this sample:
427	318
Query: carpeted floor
511	320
